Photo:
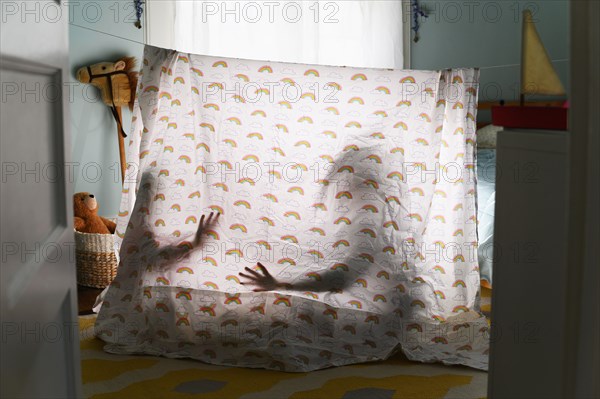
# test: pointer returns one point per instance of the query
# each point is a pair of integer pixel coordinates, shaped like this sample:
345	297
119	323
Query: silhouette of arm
329	280
173	253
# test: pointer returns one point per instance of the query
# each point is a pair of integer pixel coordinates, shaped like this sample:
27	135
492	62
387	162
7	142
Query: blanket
355	184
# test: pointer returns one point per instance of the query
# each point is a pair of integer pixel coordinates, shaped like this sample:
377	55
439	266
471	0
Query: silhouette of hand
204	226
264	281
175	252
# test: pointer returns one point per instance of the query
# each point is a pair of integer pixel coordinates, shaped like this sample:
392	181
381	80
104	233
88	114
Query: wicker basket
96	259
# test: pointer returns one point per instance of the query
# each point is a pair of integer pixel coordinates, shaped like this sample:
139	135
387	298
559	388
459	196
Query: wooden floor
86	296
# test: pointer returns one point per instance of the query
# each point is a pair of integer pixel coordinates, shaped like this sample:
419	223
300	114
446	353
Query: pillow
486	136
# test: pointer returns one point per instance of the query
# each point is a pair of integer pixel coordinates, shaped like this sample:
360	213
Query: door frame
582	345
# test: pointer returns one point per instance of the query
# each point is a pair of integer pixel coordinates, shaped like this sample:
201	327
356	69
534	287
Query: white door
38	295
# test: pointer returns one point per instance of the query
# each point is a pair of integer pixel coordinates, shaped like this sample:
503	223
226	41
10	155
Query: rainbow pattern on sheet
319	192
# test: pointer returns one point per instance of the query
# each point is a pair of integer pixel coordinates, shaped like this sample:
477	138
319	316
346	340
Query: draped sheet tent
356	185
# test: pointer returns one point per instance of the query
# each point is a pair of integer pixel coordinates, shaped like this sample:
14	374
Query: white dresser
530	254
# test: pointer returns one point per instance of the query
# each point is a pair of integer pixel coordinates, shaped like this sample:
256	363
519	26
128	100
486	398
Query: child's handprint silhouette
331	281
203	226
264	281
173	253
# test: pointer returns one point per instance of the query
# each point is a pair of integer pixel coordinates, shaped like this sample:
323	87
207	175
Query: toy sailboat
538	77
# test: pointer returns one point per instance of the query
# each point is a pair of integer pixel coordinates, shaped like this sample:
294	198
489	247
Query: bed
486	200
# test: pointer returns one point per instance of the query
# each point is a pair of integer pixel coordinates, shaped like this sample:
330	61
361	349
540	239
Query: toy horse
117	82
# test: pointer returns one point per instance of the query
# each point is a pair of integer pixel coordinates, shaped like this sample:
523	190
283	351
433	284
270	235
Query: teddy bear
86	218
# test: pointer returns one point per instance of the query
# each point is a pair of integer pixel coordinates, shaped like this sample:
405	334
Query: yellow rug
486	302
114	376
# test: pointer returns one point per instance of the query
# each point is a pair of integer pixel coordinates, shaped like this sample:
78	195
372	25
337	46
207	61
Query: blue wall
487	34
99	31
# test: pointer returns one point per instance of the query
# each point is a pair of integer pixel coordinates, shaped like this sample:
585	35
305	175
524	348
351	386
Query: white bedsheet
363	178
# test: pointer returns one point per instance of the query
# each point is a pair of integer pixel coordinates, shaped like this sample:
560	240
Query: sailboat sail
538	75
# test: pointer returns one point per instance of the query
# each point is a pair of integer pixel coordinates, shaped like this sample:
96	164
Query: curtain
345	33
353	184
